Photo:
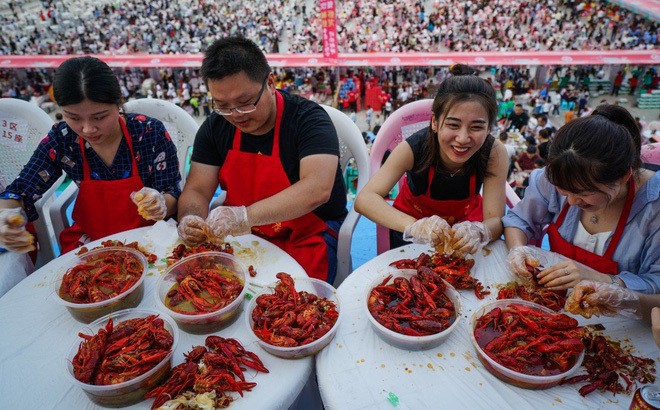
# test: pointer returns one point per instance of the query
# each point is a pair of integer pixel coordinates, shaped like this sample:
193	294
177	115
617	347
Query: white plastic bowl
404	341
319	288
206	322
131	391
87	312
523	380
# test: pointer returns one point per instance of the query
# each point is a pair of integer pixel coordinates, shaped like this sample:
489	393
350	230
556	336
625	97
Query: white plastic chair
401	124
511	197
22	126
179	124
351	145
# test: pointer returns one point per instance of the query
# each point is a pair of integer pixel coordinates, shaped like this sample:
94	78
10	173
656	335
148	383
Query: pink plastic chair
651	156
401	124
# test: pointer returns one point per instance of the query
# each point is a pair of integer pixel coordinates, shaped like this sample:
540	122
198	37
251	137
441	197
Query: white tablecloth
36	333
358	370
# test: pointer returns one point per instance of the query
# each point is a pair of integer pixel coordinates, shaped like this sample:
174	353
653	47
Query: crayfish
291	318
549	298
210	371
100	278
533	292
205	290
607	361
118	353
455	270
528	340
415	307
182	250
111	243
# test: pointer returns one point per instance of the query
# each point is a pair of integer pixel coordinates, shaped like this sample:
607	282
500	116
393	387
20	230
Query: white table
36	333
358	370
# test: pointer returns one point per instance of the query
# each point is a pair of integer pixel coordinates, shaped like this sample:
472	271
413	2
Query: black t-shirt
544	149
518	121
443	187
306	129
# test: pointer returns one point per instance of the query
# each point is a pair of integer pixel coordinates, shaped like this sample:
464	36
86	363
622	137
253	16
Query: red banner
329	24
511	58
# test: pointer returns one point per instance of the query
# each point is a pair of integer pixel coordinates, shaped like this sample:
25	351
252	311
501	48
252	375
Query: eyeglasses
243	109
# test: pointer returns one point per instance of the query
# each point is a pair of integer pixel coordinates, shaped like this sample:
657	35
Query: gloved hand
13	235
599	298
228	220
468	236
655	324
150	203
518	259
193	229
431	230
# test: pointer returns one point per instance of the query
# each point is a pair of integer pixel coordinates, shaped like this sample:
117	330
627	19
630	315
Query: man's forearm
192	203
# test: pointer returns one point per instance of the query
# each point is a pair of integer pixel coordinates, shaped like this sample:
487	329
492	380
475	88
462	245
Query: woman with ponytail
125	165
445	167
600	206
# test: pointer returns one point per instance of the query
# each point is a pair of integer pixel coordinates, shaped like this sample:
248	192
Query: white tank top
593	243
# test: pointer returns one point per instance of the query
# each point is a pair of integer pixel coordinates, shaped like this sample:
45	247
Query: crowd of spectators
188	26
140	26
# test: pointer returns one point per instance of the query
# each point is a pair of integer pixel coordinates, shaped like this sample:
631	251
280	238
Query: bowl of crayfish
118	358
412	310
526	344
203	292
101	281
294	318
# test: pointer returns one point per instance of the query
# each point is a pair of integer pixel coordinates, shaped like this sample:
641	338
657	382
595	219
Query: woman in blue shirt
600	206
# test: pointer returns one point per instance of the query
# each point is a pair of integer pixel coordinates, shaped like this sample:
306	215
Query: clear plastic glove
193	229
13	235
228	220
468	236
599	298
431	230
655	324
519	258
150	203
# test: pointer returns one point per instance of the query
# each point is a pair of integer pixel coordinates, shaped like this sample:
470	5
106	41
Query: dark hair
463	85
597	149
544	133
82	78
530	140
231	55
504	136
531	149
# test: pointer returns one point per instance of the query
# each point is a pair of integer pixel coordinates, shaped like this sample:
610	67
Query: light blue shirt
638	252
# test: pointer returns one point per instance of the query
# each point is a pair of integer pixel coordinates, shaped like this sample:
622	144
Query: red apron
452	210
104	207
250	177
604	263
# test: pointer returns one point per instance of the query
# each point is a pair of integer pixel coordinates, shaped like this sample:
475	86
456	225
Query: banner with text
329	24
443	59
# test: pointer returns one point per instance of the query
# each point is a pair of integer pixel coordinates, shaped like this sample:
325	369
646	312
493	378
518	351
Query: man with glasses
276	155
